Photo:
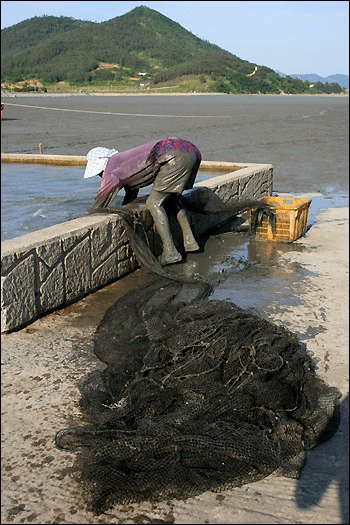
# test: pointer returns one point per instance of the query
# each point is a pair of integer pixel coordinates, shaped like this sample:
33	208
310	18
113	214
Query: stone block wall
59	265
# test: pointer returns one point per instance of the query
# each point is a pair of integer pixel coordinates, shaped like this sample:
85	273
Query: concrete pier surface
43	364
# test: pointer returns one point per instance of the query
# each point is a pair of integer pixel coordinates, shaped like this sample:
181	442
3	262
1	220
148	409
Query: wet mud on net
196	395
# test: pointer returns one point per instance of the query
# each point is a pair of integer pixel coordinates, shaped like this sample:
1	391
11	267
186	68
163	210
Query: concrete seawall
59	265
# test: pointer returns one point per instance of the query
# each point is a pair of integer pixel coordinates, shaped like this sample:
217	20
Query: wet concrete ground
44	364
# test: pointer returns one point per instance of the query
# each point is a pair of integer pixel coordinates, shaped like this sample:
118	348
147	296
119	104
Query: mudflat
305	138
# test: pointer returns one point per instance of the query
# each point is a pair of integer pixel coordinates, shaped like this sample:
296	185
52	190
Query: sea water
35	196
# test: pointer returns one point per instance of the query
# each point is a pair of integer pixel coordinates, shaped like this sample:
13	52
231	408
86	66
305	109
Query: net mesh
196	395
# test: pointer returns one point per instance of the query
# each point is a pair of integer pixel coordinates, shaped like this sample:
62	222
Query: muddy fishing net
196	395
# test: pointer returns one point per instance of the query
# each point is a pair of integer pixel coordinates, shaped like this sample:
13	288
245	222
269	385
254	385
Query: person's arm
110	186
130	195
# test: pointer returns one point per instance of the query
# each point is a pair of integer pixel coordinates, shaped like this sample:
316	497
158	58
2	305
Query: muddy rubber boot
154	204
190	243
165	258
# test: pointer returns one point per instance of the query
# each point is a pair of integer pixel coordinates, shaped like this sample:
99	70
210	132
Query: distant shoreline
128	94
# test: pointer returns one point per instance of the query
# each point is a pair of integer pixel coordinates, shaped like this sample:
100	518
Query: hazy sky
292	37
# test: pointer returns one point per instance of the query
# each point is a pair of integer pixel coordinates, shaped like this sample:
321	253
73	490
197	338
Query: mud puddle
255	274
248	272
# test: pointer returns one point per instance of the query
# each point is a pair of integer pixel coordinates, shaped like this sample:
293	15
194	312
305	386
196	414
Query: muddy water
249	273
35	196
305	138
253	273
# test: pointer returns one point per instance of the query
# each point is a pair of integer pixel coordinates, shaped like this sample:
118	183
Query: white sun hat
97	159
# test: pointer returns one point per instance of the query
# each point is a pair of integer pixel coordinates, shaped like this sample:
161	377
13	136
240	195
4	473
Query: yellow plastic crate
285	222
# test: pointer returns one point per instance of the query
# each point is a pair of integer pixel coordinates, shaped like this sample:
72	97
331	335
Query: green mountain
55	49
31	32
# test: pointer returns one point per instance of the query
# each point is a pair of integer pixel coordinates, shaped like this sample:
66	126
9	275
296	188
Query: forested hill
142	44
31	32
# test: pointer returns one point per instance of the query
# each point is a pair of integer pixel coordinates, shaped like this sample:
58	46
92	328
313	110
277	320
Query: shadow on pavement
328	463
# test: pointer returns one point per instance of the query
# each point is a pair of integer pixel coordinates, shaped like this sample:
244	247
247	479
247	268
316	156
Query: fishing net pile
196	395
